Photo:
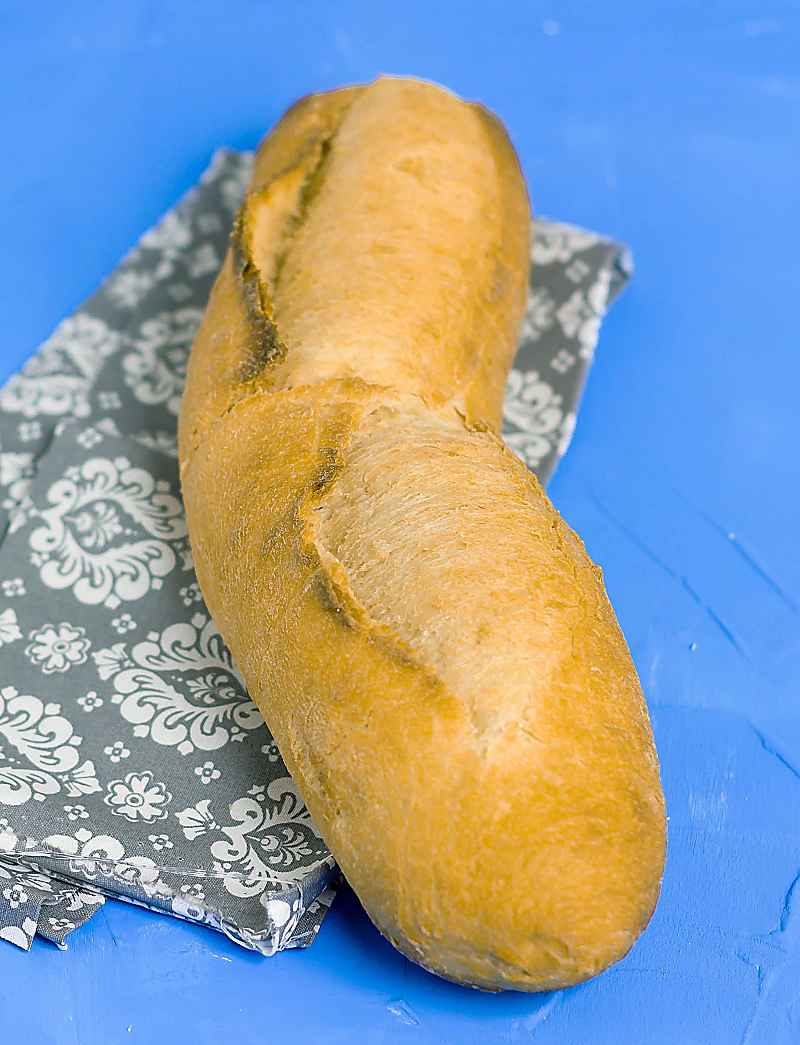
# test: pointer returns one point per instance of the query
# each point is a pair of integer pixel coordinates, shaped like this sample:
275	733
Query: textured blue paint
675	126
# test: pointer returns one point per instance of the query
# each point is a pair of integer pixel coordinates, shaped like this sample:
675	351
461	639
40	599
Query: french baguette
427	639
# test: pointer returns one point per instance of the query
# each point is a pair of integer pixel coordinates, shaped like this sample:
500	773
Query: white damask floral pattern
539	314
9	627
138	797
56	381
76	812
20	935
117	751
130	287
47	760
15	895
90	701
8	839
272	834
111	660
29	431
235	182
580	316
107	532
559	243
207	772
123	623
155	368
170	237
57	647
166	442
206	704
25	877
202	261
536	413
164	246
15	466
94	857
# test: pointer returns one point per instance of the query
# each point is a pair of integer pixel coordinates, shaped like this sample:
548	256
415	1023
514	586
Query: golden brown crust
427	639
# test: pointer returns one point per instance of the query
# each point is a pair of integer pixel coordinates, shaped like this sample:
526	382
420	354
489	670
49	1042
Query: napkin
132	762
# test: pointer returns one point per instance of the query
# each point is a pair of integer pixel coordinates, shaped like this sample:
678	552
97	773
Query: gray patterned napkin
132	762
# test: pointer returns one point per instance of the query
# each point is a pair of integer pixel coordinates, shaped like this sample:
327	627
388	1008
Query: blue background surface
674	126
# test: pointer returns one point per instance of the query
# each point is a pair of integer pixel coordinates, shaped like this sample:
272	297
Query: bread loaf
427	639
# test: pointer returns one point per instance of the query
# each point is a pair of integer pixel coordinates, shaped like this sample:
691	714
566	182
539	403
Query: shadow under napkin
132	762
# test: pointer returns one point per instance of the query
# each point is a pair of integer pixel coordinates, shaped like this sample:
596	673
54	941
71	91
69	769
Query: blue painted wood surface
674	126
